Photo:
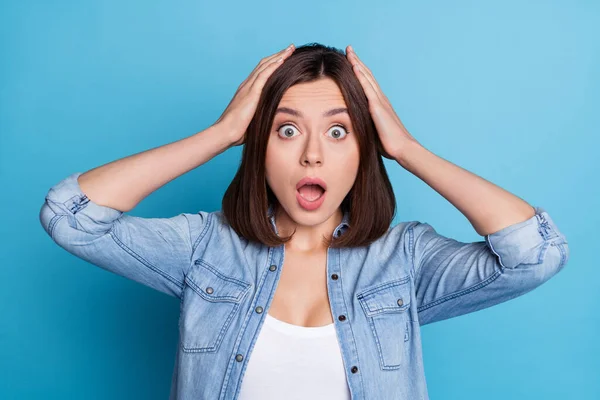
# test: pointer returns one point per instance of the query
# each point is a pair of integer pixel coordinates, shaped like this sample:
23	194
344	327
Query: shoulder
400	237
206	227
406	238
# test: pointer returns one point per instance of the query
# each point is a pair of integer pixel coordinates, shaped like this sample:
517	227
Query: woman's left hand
392	133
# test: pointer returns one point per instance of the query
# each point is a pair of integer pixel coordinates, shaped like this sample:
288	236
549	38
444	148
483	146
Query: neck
307	238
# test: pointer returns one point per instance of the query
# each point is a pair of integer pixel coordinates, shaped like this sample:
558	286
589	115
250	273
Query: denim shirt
380	295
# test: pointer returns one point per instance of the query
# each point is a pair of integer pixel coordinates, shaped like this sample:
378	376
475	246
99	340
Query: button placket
259	309
253	322
348	347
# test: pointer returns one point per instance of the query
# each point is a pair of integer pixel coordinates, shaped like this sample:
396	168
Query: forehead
315	95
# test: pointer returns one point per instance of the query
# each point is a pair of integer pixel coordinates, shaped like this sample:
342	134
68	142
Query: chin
311	218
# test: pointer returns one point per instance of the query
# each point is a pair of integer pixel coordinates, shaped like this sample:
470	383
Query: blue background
508	90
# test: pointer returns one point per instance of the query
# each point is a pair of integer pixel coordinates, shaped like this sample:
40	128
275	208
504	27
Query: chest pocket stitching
206	317
383	298
390	322
230	289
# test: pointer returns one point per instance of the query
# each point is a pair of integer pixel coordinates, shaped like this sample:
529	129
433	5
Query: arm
85	213
488	207
123	183
522	246
522	249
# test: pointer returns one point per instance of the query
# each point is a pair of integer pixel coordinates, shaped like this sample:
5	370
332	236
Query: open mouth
311	192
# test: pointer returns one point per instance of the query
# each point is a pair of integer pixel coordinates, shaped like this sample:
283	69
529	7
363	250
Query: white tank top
295	362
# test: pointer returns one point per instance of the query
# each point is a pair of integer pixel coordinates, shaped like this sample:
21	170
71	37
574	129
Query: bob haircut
371	203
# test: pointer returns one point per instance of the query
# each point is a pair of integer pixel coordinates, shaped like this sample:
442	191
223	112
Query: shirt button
334	277
209	290
400	302
259	309
354	369
342	317
239	357
273	267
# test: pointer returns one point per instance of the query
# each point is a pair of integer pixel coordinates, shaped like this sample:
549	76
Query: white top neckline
295	362
298	330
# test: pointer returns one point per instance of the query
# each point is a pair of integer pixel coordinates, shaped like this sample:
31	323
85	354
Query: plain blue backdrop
509	90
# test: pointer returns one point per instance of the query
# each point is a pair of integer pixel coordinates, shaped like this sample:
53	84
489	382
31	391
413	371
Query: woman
299	287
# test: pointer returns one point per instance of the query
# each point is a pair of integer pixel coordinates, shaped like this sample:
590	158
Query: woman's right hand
241	108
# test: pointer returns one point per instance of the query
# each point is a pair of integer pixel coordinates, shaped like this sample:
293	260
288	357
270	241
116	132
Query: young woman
299	288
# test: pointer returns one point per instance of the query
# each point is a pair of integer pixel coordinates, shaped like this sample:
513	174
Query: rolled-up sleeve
454	278
155	252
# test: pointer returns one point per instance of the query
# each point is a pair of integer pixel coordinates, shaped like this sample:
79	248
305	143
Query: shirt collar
337	232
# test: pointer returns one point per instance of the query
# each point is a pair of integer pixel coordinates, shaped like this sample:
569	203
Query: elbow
50	215
559	254
62	229
555	259
48	218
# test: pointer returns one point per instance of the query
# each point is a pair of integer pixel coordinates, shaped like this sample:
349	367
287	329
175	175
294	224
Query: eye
338	133
287	132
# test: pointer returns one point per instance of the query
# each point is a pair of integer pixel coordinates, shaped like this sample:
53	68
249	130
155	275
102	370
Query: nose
312	154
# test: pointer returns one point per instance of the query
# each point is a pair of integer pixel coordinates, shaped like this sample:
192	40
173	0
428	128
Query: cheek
348	158
277	166
274	160
347	170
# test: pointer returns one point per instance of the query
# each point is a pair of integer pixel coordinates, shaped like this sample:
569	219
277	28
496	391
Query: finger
265	63
353	58
271	66
279	53
376	94
370	79
367	86
250	78
265	73
360	71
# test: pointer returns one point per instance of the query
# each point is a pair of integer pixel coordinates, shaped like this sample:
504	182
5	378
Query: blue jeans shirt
380	295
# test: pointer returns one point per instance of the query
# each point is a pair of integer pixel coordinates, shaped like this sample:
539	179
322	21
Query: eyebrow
296	113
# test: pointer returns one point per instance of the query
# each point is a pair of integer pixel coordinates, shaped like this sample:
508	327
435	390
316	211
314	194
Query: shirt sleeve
453	278
155	252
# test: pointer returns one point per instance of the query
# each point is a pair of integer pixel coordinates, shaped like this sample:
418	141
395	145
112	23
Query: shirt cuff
67	198
524	242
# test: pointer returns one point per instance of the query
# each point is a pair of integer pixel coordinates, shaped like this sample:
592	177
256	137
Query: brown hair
370	202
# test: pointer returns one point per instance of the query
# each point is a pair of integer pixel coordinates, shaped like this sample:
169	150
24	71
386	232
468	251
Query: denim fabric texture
380	295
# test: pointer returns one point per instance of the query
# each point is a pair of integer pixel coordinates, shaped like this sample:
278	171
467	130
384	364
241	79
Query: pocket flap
389	297
212	285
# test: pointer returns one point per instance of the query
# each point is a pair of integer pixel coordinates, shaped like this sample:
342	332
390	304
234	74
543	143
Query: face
312	136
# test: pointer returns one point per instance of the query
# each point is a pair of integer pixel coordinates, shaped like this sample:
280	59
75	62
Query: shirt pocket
209	303
387	308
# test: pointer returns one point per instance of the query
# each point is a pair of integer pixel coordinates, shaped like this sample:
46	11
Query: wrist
407	154
214	137
227	137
